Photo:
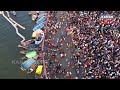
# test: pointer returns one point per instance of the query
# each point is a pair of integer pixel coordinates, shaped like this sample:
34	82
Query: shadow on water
9	52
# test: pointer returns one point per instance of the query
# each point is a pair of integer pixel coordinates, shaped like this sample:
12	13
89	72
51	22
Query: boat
39	72
31	47
26	64
41	15
41	20
35	33
30	12
34	17
29	65
13	13
39	26
31	54
20	46
40	39
24	58
32	67
23	52
39	69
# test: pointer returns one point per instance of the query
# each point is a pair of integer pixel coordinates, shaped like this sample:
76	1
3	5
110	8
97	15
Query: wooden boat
39	72
24	58
29	65
34	17
30	12
41	20
20	46
23	52
13	12
32	67
38	27
41	15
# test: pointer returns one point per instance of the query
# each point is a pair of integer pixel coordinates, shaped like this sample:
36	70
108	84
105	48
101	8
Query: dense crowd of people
98	45
93	47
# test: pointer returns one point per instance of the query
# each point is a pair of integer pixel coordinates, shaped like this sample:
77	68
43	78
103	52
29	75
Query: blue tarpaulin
27	63
38	27
41	20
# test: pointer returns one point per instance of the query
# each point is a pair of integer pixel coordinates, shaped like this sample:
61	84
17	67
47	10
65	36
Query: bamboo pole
14	21
15	26
17	23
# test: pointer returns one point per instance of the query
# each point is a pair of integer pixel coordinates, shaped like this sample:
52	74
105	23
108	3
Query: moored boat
29	65
39	26
32	67
39	72
23	52
41	20
34	17
13	13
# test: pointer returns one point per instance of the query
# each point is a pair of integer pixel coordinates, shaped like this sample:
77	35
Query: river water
9	40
